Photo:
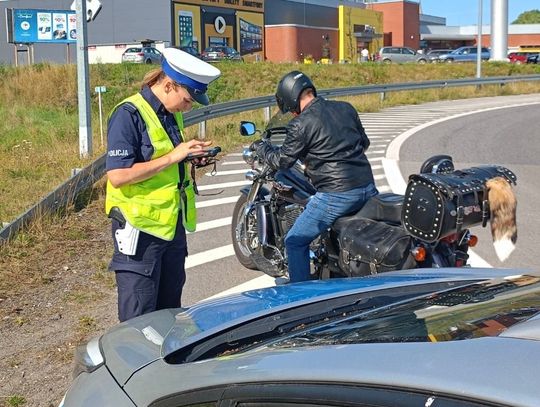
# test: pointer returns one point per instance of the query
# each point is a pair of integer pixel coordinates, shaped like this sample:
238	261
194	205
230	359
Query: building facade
235	23
441	36
401	22
273	30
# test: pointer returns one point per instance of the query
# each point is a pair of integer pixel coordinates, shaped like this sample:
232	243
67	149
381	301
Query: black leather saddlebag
438	205
370	247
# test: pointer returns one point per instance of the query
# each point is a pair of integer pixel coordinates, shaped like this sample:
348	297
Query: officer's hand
181	151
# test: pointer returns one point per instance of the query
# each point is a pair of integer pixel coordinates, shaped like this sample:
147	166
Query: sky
465	12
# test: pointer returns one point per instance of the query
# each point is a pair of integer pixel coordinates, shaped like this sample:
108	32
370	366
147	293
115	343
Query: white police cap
189	71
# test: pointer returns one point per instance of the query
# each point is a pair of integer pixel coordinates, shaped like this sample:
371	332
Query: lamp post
479	42
499	30
85	123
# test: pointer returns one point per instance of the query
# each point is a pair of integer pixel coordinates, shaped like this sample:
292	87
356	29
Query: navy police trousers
153	278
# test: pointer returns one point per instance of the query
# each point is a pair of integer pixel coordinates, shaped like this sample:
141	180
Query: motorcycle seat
382	207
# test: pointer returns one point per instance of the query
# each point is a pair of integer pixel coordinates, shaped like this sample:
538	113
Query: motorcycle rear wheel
243	251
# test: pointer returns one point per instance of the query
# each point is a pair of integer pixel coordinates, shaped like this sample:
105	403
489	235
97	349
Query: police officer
149	193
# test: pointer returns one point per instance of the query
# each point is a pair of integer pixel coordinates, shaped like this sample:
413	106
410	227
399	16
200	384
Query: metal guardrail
68	191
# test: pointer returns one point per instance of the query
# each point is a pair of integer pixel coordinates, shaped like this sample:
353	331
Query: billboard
28	26
251	39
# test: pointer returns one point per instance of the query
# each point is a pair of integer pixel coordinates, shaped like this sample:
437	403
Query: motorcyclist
328	137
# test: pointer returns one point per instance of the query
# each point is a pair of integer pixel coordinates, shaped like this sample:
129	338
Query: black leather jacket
328	137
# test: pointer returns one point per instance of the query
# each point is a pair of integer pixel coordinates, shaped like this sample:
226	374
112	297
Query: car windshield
429	312
479	310
129	50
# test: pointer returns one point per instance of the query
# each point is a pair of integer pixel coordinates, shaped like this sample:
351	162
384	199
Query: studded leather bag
438	205
370	247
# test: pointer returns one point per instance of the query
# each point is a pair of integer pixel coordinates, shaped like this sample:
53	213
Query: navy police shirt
128	141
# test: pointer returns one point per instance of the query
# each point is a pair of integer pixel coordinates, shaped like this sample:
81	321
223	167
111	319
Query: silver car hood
134	344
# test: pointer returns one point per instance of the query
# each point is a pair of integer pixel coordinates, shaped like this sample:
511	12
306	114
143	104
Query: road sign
220	24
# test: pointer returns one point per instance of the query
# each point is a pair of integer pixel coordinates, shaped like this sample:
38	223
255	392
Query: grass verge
39	124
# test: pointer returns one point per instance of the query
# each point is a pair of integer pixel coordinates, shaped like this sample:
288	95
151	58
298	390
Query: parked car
518	57
533	59
465	54
190	50
221	53
400	54
142	55
429	337
433	55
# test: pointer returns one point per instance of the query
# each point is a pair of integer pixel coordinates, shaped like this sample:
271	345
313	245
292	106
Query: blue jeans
320	213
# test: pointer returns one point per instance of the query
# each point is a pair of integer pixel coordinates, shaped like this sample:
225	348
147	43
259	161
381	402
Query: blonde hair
153	77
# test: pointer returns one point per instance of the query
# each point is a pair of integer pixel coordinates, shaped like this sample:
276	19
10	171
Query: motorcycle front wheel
245	239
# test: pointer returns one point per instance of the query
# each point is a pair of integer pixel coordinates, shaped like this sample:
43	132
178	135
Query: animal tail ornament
502	206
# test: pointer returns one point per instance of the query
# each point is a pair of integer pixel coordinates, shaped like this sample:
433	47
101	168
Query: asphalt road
506	136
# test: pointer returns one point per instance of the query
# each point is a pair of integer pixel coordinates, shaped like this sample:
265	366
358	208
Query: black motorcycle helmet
289	89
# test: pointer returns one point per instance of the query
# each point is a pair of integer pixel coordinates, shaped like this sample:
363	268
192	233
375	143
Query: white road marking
194	260
212	224
216	202
233	162
223	185
228	172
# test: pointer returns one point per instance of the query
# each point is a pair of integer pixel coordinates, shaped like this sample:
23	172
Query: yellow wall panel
348	18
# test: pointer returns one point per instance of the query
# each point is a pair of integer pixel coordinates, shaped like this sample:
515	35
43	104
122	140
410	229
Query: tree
528	17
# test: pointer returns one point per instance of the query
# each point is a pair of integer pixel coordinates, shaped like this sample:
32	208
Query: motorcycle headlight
87	358
251	175
249	156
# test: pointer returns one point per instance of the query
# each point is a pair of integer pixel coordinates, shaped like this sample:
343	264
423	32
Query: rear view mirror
247	128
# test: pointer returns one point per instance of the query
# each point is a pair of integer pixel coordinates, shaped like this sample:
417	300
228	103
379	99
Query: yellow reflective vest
153	205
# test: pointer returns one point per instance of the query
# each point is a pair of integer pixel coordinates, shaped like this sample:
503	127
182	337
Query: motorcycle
429	226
